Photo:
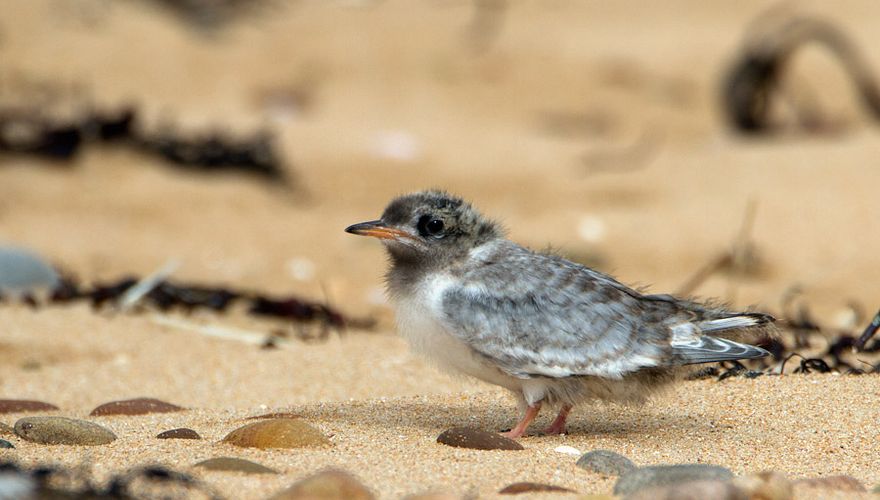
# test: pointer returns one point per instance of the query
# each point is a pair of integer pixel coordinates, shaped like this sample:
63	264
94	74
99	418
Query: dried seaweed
754	79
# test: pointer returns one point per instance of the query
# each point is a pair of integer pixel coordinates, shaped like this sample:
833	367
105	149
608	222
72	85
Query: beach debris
327	484
24	406
605	462
6	444
568	450
23	271
179	433
477	439
232	464
138	406
34	132
669	475
277	433
869	332
528	487
137	291
62	430
755	80
767	485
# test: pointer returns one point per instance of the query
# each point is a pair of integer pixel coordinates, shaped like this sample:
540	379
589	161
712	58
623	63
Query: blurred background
607	130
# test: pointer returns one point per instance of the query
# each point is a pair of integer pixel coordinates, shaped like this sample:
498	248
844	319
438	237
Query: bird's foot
558	425
520	429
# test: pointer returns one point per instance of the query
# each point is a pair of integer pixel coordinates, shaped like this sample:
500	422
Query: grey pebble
62	430
665	475
605	462
22	270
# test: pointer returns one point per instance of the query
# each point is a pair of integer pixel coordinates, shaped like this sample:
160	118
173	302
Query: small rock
691	490
24	405
181	433
665	475
277	433
330	484
839	483
5	444
605	462
23	271
231	464
767	485
526	487
468	437
138	406
61	430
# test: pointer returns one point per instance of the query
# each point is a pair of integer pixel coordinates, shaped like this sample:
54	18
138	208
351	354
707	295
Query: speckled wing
533	314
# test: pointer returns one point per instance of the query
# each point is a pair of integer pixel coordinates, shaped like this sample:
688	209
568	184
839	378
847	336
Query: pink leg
558	425
520	429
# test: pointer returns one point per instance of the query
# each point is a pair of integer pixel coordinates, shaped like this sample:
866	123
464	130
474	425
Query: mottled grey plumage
546	328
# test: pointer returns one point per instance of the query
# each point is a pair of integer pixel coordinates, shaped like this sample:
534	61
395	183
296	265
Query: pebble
469	437
277	433
691	490
22	270
232	464
181	433
61	430
329	484
24	405
839	483
138	406
605	462
5	444
568	450
526	487
667	475
768	485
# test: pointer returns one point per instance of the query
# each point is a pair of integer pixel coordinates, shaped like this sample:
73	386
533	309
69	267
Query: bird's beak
377	229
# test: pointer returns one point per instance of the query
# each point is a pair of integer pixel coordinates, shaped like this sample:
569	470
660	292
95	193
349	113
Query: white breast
419	321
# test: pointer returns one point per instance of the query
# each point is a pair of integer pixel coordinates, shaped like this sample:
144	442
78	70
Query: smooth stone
62	430
839	483
665	475
330	484
137	406
24	405
181	433
527	487
767	485
22	270
6	444
232	464
605	462
703	489
469	437
277	433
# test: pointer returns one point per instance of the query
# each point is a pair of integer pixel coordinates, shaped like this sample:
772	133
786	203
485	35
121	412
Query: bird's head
429	228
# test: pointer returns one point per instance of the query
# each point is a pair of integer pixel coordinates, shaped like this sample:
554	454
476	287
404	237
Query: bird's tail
735	322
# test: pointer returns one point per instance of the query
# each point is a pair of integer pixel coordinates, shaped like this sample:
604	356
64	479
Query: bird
551	331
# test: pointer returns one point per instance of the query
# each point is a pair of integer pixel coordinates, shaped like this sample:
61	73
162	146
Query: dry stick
869	332
143	287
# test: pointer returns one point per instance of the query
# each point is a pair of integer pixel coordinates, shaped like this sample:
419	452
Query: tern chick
551	331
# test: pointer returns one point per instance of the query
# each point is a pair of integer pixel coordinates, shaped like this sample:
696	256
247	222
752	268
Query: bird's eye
430	226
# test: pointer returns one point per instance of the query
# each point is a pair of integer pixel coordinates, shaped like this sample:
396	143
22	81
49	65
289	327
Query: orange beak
377	229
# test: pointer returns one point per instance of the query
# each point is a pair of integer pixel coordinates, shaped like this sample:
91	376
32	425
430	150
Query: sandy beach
589	127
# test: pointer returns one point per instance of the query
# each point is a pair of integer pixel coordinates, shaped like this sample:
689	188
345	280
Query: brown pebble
469	437
330	484
526	487
61	430
692	490
840	483
232	464
24	405
181	433
277	433
767	485
279	414
138	406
